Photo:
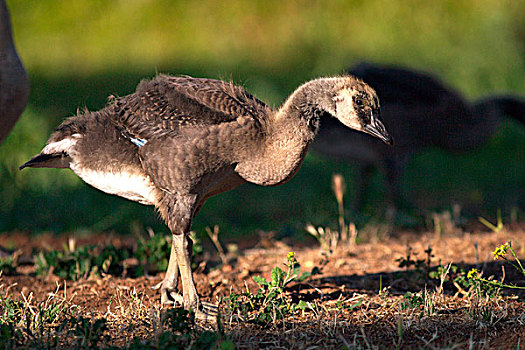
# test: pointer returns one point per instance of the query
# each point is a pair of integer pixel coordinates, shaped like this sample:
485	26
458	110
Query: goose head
356	106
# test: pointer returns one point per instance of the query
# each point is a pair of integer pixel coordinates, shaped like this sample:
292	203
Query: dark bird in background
419	111
177	141
14	84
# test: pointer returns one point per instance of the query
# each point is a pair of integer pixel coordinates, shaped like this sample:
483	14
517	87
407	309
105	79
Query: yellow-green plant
500	252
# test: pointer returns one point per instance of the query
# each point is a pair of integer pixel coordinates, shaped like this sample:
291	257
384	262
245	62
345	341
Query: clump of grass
25	321
152	253
423	300
128	303
79	263
85	333
75	263
327	238
32	314
347	235
176	330
9	263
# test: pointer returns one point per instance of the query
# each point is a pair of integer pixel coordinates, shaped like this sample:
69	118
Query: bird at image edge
14	83
177	141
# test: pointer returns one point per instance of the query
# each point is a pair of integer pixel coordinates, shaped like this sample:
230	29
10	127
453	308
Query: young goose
14	84
179	140
419	111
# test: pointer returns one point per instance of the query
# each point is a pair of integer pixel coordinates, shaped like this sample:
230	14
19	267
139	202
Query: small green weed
412	301
422	300
270	302
502	250
418	270
347	234
465	282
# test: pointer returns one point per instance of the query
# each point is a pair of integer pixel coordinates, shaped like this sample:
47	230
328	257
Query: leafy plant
271	302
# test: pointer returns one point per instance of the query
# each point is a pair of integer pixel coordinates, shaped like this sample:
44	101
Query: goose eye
359	102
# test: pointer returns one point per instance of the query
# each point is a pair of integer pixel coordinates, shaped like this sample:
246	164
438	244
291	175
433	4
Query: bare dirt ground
359	299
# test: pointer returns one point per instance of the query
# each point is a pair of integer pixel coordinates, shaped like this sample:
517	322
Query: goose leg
182	245
169	293
178	212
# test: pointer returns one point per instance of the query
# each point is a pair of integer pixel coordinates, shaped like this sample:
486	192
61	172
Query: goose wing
166	104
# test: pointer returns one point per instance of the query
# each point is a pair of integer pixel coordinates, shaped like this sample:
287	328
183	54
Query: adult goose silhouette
420	111
14	84
177	141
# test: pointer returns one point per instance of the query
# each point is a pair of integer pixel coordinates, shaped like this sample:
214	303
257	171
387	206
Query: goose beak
377	129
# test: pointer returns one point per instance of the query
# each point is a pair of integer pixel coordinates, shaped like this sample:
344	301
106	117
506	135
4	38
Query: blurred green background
78	52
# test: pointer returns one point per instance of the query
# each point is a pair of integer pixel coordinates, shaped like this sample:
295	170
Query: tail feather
54	160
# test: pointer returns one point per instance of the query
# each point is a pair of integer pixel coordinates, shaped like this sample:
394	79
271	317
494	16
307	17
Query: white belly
132	186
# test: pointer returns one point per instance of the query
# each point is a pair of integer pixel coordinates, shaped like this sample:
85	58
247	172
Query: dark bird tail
54	160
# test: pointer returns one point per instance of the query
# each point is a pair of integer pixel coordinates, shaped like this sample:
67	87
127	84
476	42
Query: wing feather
167	103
